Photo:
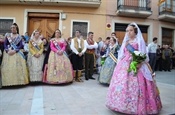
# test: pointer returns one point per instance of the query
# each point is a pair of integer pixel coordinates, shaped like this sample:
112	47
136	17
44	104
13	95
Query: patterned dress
35	64
108	67
14	67
59	68
132	94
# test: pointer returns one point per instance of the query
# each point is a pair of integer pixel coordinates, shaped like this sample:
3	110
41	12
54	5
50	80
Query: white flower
103	56
142	54
137	53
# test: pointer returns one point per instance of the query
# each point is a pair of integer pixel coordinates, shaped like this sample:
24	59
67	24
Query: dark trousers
158	65
167	63
77	62
89	65
152	60
173	62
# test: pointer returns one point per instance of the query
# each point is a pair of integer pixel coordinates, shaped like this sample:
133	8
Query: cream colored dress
35	64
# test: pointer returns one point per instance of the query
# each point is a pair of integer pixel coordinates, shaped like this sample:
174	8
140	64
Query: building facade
155	18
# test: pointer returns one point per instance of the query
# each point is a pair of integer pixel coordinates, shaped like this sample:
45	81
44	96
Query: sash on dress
35	45
59	48
111	54
130	48
13	44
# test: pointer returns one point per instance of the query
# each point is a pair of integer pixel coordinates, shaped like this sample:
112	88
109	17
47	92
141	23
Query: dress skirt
14	70
35	67
131	94
107	71
58	70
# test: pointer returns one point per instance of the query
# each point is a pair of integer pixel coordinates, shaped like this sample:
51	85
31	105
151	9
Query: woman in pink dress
129	93
59	68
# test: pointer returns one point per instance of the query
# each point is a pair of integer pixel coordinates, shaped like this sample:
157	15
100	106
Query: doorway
44	22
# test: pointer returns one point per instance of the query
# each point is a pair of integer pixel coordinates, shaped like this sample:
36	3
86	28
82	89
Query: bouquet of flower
103	58
137	58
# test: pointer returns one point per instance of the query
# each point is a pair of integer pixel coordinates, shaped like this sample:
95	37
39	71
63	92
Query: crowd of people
57	60
161	58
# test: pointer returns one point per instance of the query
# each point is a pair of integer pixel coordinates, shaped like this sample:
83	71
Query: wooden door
121	34
50	26
145	37
167	36
45	23
46	26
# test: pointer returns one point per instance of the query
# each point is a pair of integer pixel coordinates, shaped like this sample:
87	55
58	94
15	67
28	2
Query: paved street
87	98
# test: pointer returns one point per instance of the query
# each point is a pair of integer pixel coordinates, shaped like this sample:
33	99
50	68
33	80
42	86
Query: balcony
75	3
134	8
167	11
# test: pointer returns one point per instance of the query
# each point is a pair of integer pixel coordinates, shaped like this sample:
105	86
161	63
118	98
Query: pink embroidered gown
132	94
59	68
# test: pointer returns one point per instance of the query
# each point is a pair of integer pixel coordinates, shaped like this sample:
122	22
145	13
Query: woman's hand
11	52
60	52
37	55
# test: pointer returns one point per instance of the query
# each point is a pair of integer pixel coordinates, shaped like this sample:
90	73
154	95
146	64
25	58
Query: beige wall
95	16
96	24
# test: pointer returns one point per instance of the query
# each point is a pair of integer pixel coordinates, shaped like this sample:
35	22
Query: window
167	36
5	25
167	6
82	26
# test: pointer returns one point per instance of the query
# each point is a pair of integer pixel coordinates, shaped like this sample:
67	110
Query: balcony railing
79	3
167	10
135	8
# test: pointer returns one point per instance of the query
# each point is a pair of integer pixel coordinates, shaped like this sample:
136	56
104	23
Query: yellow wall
97	24
96	16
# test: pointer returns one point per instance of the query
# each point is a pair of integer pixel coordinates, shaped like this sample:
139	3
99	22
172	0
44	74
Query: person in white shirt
78	48
152	49
90	56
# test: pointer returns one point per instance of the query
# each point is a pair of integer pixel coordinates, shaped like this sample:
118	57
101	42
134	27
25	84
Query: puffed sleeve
52	47
31	50
41	48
